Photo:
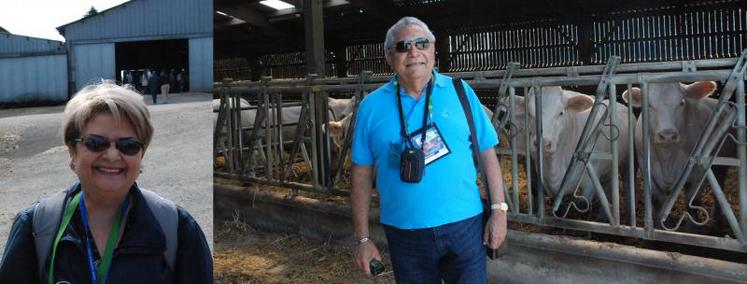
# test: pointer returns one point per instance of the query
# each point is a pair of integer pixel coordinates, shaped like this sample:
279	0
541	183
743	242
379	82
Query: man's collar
439	81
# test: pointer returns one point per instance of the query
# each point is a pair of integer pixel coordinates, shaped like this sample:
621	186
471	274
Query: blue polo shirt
448	191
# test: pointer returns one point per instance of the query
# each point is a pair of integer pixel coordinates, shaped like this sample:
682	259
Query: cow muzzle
548	147
667	136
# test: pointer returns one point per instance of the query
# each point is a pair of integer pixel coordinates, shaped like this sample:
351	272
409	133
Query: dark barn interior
343	38
252	40
158	54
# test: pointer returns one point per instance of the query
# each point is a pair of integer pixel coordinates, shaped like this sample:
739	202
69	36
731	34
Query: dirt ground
247	255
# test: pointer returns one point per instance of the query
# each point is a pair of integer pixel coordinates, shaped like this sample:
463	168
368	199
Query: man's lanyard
426	111
104	266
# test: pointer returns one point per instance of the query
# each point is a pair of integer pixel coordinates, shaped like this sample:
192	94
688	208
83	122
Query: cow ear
633	97
580	103
700	89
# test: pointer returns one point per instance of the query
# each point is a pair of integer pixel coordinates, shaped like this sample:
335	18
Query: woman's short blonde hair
106	97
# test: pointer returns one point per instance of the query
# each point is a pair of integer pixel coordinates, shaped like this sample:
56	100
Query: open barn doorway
169	56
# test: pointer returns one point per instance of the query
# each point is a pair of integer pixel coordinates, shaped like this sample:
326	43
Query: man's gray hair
402	23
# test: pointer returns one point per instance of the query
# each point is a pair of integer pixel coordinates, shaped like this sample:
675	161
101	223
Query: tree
91	12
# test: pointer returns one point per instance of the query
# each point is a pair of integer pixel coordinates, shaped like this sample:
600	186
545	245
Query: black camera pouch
411	165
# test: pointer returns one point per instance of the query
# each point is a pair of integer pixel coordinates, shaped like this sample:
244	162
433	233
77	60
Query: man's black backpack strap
492	253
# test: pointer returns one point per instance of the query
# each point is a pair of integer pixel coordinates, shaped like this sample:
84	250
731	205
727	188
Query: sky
40	18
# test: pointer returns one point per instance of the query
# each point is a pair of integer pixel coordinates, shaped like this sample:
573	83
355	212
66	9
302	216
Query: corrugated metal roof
139	19
17	45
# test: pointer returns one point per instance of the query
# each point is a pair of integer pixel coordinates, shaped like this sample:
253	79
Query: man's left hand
495	229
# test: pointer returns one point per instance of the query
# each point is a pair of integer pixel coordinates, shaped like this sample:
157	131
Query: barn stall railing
510	85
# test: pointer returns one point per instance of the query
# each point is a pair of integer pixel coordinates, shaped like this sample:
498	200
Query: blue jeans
452	252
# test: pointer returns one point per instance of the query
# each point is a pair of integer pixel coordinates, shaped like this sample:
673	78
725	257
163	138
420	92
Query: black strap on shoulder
492	253
472	134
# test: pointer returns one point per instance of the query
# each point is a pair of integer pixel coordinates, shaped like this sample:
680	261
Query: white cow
678	116
242	102
564	114
340	108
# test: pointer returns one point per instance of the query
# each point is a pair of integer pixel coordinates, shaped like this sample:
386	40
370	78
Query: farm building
515	54
134	36
142	34
32	70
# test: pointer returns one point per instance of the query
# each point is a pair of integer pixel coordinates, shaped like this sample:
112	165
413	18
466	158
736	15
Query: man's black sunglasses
420	43
97	143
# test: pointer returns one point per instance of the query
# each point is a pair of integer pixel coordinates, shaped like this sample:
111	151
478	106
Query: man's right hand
363	255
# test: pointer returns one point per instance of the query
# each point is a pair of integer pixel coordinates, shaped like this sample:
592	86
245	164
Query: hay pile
246	255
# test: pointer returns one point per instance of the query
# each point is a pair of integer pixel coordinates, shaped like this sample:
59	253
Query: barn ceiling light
276	4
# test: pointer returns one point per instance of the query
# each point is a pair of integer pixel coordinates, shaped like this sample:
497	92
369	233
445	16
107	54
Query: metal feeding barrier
262	154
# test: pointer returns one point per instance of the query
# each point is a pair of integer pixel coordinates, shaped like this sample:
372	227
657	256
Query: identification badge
435	146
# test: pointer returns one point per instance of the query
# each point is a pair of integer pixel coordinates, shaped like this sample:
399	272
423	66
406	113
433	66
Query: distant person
172	80
128	78
163	81
110	230
153	85
144	81
180	80
185	79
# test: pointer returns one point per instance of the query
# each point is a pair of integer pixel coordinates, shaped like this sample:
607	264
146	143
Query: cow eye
682	102
561	113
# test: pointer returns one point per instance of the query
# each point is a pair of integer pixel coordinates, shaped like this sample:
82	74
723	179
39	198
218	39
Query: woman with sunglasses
105	228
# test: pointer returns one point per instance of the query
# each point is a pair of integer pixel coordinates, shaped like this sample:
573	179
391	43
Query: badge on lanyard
434	146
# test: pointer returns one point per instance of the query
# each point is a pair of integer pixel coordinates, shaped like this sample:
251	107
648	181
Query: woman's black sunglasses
420	43
97	143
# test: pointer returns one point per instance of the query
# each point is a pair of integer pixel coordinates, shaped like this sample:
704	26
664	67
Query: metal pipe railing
526	81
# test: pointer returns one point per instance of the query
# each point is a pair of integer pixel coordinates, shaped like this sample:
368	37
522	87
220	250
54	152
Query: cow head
338	129
558	107
340	108
667	106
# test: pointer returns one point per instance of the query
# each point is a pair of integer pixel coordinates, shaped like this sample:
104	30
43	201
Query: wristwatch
361	241
503	206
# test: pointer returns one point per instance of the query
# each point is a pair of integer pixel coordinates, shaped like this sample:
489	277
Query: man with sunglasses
105	228
430	203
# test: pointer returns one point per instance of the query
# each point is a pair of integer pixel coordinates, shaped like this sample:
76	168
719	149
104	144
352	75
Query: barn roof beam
249	15
299	9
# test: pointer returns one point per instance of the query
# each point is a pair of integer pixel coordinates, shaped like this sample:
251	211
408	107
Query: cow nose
667	136
547	145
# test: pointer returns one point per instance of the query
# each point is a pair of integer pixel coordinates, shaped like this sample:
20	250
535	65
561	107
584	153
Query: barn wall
33	79
201	64
92	62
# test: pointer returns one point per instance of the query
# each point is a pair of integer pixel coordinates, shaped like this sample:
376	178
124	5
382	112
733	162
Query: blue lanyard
111	242
426	112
